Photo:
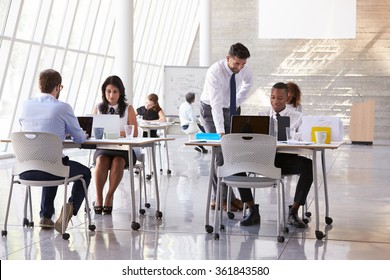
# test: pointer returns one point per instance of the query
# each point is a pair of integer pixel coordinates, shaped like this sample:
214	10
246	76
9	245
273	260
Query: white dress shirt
298	108
216	90
186	114
295	117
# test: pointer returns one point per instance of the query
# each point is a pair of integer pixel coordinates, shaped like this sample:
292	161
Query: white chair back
254	153
192	128
40	151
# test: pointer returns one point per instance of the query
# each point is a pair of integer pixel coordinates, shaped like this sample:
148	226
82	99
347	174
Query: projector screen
307	19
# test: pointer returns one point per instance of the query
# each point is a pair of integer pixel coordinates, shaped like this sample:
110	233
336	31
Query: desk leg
319	234
158	214
328	220
166	150
134	224
209	229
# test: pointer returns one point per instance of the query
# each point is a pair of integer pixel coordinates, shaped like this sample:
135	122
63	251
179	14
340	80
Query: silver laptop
110	123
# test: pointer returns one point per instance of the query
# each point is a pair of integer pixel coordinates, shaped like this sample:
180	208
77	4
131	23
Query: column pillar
123	40
205	33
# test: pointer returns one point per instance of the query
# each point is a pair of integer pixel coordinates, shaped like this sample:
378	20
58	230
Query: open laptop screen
110	123
250	124
86	124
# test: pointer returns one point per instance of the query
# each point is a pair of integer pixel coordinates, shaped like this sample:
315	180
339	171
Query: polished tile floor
359	195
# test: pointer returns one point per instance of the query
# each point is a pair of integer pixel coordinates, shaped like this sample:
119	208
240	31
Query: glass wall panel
56	22
12	18
76	38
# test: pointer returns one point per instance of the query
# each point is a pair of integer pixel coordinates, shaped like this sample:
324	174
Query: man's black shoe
203	149
253	218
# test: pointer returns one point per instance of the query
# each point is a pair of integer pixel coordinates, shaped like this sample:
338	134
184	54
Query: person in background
224	78
45	113
111	163
151	112
187	116
294	97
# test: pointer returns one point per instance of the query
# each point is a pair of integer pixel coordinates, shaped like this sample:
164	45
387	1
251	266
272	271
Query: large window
76	37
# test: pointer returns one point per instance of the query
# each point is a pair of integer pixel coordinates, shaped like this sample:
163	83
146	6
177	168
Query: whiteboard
178	81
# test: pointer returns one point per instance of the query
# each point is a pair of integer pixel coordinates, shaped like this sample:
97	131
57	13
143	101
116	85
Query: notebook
86	124
110	123
250	124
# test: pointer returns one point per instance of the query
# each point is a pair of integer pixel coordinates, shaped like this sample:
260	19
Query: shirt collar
43	94
227	67
282	113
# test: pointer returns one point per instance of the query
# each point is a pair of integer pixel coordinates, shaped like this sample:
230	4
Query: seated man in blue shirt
45	113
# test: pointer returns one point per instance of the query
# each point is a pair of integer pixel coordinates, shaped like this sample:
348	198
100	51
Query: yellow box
321	128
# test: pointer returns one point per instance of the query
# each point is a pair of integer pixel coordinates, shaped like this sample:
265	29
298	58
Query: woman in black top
151	112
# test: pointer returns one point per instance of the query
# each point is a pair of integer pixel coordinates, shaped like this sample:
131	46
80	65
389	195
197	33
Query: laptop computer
250	124
109	122
86	124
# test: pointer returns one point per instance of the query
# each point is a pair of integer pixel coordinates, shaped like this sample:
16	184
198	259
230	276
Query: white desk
311	150
162	126
128	145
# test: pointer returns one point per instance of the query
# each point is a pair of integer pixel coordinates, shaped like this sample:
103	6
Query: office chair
191	132
41	151
250	153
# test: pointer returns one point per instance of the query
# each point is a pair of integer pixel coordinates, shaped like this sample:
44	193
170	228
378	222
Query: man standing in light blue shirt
45	113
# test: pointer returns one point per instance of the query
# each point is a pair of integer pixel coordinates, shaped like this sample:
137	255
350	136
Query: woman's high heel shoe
107	210
98	209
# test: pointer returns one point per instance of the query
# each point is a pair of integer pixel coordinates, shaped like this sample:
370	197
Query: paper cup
129	131
320	137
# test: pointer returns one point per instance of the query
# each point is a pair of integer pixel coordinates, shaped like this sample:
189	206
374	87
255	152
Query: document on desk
204	141
296	142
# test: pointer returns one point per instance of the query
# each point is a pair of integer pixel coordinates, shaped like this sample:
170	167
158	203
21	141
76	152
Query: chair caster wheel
216	236
92	227
147	205
169	172
328	220
148	177
135	226
319	235
222	228
3	233
158	215
308	214
142	211
285	230
280	239
65	236
230	215
209	229
306	221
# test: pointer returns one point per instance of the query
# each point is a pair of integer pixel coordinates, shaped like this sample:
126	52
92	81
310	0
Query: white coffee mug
320	137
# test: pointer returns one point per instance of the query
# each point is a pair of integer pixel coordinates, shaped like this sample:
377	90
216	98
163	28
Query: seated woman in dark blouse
151	112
